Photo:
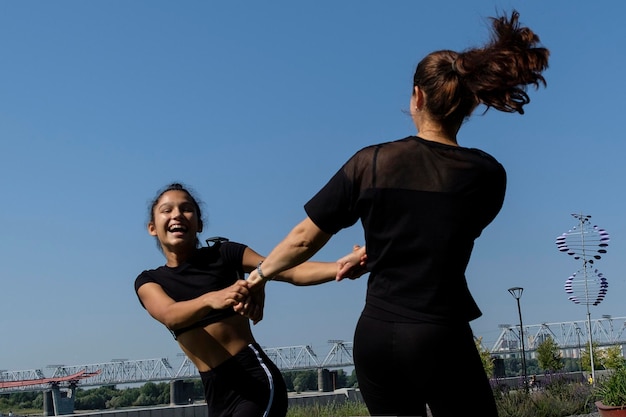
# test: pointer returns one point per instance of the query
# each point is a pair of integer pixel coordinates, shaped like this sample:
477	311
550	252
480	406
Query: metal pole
593	370
580	359
582	220
516	292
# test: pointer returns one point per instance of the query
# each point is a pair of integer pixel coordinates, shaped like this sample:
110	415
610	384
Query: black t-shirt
209	269
421	204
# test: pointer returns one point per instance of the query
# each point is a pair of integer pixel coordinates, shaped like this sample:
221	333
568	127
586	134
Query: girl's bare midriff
210	346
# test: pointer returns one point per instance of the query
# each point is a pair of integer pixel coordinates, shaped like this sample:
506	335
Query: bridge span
570	336
122	371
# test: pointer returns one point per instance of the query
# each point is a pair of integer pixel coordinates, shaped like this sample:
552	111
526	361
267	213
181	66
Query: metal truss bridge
570	336
122	371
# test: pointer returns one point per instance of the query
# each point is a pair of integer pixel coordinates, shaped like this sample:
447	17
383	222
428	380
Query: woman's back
422	204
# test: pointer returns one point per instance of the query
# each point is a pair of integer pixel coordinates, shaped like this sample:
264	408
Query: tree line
549	360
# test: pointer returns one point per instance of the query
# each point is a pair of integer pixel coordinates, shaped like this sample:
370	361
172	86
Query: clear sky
255	105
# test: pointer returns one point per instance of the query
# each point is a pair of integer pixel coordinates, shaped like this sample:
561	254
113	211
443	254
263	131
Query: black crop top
209	269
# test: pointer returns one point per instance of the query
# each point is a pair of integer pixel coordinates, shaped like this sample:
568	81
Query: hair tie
454	68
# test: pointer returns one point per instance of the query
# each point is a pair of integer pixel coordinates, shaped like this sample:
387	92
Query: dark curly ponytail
496	75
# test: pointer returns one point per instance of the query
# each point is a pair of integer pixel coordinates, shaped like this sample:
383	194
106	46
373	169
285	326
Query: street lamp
580	359
516	292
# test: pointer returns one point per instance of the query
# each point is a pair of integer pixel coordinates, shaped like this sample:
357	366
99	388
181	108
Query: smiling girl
193	295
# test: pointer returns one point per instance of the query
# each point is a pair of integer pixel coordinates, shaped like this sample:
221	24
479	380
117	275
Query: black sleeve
143	278
334	207
232	253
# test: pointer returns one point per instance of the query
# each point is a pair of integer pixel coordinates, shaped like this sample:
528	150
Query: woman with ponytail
422	201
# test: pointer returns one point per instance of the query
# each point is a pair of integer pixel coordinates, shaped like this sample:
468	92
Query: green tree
485	356
90	401
143	400
125	398
305	381
598	357
94	399
150	390
614	358
549	355
198	389
288	377
352	382
120	398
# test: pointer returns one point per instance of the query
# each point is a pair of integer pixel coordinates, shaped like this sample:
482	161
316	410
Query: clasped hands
351	266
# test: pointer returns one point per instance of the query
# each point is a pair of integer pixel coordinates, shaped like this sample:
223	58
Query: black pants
401	367
247	385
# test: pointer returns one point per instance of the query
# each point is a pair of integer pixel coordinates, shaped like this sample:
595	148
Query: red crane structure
52	380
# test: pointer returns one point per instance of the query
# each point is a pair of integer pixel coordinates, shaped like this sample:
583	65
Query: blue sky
255	105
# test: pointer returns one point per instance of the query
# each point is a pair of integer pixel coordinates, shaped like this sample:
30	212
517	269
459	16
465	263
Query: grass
21	411
347	409
558	398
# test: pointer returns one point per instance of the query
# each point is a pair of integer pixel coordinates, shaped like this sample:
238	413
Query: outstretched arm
303	241
178	314
307	273
350	266
298	246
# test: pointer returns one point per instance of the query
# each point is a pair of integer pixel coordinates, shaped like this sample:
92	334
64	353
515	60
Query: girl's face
176	221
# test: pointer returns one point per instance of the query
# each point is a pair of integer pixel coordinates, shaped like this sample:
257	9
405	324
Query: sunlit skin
176	225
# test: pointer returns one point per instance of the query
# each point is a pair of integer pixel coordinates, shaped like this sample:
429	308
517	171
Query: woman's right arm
350	266
177	314
298	246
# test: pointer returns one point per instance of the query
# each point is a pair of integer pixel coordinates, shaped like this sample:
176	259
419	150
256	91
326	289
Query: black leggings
247	385
401	367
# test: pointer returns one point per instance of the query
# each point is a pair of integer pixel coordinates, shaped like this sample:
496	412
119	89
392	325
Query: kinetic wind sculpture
586	286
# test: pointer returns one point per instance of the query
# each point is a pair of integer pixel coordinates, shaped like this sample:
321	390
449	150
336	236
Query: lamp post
580	359
516	292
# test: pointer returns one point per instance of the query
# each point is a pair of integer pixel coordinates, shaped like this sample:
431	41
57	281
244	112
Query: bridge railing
123	371
607	331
